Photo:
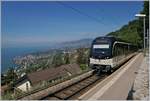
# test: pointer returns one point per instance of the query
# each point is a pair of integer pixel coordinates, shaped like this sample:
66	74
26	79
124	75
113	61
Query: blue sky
31	23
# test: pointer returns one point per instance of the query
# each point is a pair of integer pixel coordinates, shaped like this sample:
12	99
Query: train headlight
103	52
108	67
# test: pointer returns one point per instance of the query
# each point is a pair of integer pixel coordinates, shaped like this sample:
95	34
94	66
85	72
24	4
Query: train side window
126	49
115	50
119	49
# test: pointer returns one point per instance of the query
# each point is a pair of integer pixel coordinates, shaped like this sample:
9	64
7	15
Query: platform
117	85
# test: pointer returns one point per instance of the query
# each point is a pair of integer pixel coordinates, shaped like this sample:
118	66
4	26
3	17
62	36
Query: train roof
111	38
107	38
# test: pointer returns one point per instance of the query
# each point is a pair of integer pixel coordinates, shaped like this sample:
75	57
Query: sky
37	23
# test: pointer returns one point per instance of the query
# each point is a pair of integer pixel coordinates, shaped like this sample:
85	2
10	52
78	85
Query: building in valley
26	82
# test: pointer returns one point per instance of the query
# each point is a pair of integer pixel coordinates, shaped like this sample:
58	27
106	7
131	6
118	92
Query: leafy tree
2	79
66	58
133	31
11	76
83	66
81	59
129	33
9	79
57	60
146	11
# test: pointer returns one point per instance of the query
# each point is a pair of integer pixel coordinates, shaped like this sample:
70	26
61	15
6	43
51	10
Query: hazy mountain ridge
61	48
82	43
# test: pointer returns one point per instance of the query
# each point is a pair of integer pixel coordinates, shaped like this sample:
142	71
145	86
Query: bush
83	66
8	96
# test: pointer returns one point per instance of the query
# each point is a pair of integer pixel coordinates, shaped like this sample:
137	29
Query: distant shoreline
8	54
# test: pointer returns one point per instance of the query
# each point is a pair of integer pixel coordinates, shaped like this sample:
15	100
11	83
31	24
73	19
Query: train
108	53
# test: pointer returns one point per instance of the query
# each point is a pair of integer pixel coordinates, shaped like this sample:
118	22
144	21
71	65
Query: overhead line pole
143	16
144	31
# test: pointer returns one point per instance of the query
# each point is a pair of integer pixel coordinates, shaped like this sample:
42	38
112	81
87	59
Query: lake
7	55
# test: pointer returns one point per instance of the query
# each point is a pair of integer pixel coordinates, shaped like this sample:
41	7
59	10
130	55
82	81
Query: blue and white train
108	53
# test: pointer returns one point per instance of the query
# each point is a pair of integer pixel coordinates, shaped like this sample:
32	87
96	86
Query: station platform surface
117	85
140	89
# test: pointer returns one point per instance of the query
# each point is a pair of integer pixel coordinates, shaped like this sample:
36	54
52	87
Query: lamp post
143	16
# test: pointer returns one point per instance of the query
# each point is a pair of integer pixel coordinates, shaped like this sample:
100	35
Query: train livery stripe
111	61
101	61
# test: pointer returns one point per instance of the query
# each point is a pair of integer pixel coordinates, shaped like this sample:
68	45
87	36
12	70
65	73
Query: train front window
101	46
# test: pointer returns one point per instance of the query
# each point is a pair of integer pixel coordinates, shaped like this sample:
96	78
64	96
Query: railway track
75	89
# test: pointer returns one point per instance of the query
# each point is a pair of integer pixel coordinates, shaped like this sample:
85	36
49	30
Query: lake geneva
7	55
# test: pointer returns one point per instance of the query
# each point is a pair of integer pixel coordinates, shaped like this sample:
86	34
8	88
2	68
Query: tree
133	31
81	59
2	79
66	58
11	76
146	11
57	60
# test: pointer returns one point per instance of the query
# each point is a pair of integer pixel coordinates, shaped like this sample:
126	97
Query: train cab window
101	47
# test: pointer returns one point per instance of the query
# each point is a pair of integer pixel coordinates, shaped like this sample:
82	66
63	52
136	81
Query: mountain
129	33
82	43
133	31
78	43
59	47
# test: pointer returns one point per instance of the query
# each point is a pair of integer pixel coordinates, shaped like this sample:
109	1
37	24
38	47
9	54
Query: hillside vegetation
133	31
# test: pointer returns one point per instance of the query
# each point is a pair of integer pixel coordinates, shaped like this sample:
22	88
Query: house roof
21	80
72	68
53	73
47	74
3	89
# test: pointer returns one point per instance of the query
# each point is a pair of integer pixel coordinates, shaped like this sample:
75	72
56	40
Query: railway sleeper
88	82
52	98
68	91
61	95
91	79
83	84
74	89
78	86
66	94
